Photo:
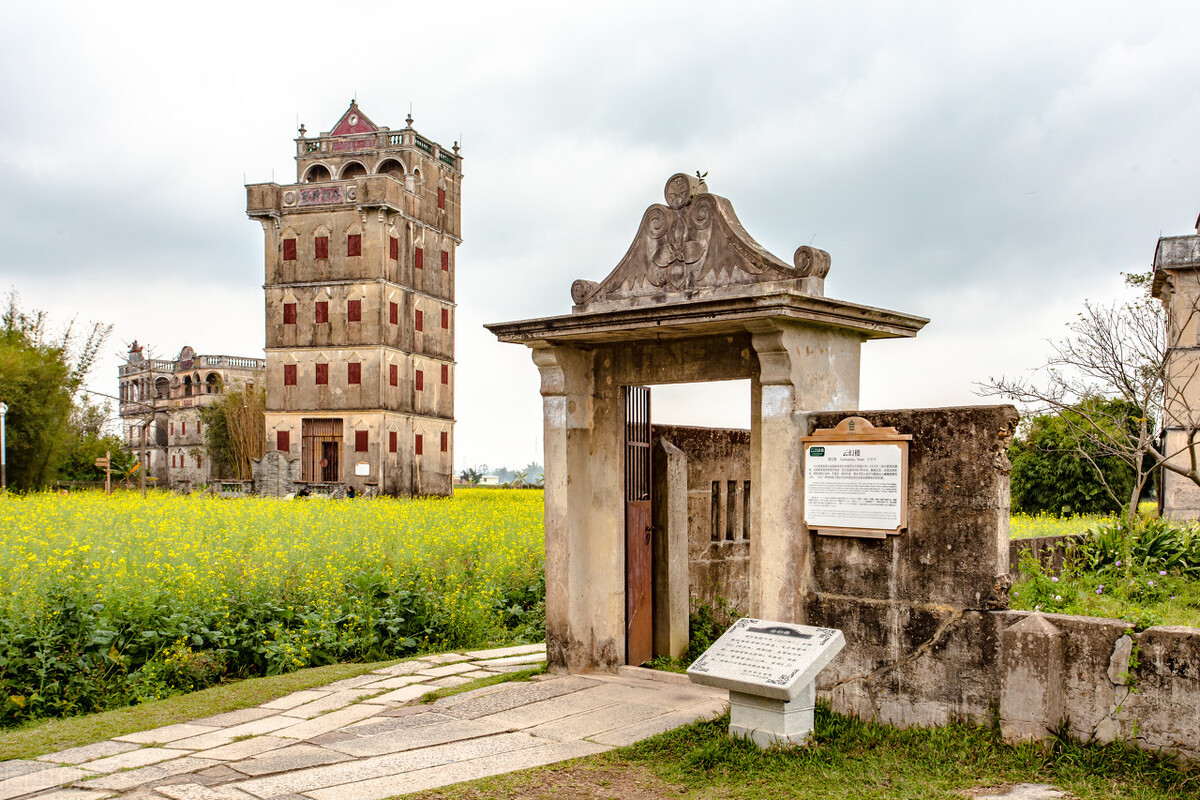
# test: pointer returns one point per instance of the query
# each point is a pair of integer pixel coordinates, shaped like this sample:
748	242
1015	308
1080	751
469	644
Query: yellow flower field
269	584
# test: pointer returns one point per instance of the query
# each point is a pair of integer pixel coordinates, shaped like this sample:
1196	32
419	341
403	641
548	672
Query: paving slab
413	738
37	781
18	767
74	794
294	699
628	734
443	671
450	681
135	758
594	722
504	652
247	748
331	721
404	668
167	734
198	791
401	695
555	708
297	756
446	658
133	778
511	695
394	682
239	717
445	775
503	668
530	659
256	727
330	702
351	683
89	752
370	727
306	780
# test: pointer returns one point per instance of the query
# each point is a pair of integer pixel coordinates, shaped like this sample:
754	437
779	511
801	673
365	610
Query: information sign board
856	480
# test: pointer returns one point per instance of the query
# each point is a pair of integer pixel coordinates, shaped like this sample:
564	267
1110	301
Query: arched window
213	383
187	386
390	166
317	172
353	170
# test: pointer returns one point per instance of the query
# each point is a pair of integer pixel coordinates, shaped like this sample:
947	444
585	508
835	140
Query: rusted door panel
639	623
639	627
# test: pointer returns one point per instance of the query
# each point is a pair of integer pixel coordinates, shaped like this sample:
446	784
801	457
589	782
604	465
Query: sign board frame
850	432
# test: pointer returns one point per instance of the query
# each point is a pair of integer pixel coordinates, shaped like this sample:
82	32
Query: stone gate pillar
801	369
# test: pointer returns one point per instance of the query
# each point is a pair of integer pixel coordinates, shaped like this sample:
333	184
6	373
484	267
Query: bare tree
1121	351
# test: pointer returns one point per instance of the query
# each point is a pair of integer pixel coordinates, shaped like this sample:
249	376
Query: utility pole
3	450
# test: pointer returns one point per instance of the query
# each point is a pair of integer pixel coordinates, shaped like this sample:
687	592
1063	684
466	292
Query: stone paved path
360	739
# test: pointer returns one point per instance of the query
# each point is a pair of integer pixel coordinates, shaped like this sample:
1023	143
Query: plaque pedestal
767	721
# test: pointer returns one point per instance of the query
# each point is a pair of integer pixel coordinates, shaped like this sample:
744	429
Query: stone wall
275	475
719	492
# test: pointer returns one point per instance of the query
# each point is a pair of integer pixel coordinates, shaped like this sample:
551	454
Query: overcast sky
986	166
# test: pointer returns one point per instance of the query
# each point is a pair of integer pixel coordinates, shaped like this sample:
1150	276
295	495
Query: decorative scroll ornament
692	246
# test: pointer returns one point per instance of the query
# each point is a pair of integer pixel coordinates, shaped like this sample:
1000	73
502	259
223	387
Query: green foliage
1058	469
850	758
234	431
705	626
39	376
1147	573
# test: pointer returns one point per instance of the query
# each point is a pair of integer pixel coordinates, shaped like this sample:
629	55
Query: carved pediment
692	248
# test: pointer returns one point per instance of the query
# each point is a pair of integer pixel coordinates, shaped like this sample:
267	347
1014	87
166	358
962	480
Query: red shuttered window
445	318
419	381
394	248
391	441
321	246
289	374
183	429
419	320
289	313
360	441
354	372
322	373
419	258
441	198
322	311
445	441
283	441
394	313
289	249
418	449
445	261
394	375
354	310
445	373
354	244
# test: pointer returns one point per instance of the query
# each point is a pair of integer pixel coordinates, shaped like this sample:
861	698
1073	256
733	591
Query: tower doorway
320	450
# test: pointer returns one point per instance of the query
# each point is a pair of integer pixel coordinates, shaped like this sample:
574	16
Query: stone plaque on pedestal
770	669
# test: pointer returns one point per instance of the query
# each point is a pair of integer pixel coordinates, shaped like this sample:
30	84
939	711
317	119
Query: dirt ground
572	782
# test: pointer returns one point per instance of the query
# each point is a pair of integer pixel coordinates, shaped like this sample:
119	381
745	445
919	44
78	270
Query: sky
989	166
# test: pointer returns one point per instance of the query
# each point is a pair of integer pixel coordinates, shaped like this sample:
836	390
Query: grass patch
848	760
48	736
480	683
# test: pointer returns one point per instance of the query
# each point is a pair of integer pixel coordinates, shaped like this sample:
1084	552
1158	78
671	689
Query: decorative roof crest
695	248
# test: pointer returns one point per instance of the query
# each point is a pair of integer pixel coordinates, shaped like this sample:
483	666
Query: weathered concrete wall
719	494
920	648
275	474
1101	679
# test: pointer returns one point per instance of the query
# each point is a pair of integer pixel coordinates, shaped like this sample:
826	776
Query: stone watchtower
1177	285
360	261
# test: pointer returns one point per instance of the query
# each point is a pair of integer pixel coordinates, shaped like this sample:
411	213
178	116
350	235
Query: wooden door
639	628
